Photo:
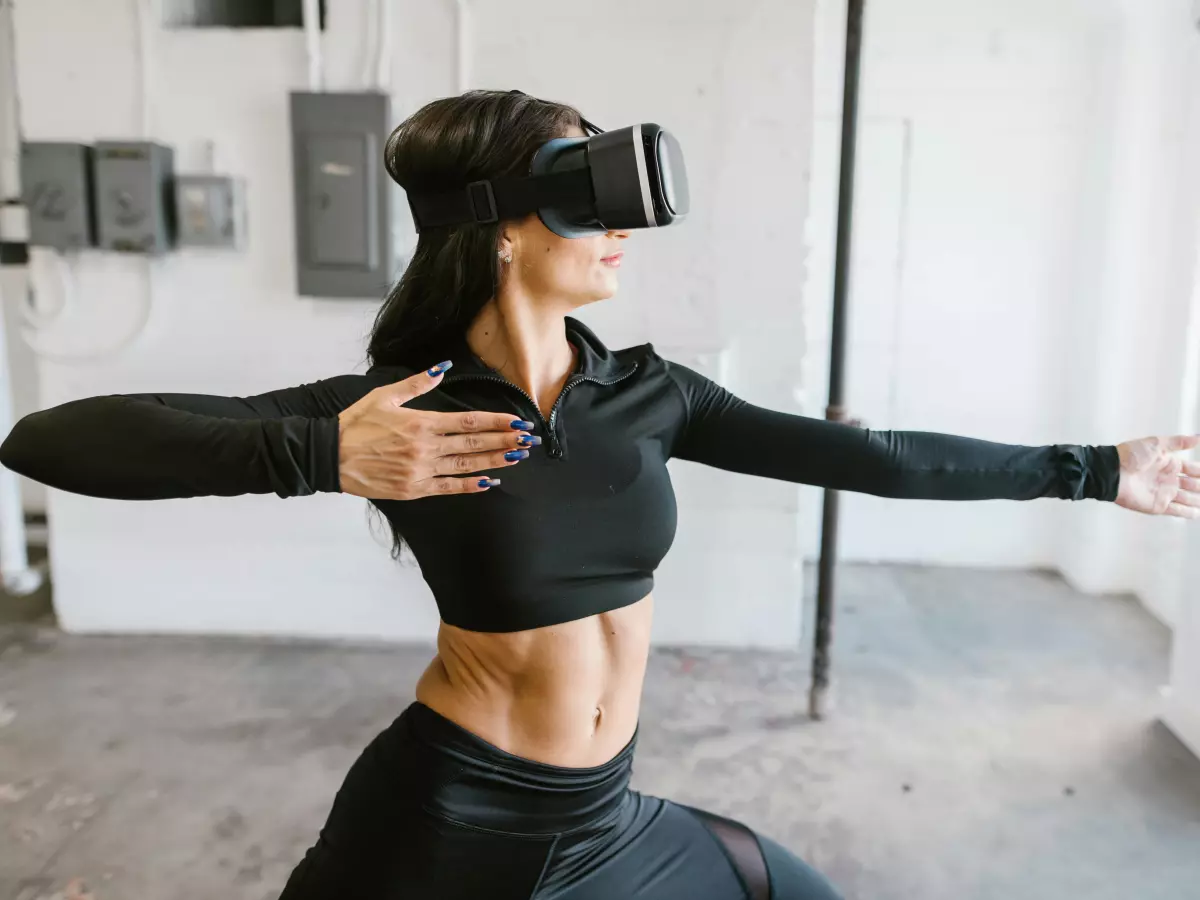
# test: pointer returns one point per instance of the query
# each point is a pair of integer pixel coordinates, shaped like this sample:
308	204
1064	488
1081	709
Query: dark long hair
454	271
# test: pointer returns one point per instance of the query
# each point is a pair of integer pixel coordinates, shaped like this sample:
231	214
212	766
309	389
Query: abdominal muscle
566	695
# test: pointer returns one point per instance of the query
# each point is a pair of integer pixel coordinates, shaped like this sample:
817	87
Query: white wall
1025	238
1025	241
1135	310
721	291
970	203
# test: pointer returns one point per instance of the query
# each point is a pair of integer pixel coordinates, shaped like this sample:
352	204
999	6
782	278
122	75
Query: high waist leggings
430	811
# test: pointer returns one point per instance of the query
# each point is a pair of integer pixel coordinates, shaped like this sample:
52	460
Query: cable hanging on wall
312	45
36	320
463	51
377	61
141	321
383	63
31	313
371	42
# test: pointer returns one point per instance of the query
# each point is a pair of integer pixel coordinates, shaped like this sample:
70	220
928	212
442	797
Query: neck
526	342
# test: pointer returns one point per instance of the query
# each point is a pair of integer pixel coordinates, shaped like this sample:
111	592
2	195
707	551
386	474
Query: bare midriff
566	695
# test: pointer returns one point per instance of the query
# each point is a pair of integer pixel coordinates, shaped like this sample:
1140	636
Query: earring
504	257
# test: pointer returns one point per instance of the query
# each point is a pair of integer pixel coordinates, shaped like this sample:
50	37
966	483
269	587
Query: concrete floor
994	738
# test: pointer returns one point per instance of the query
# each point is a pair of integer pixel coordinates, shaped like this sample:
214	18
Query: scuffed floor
994	739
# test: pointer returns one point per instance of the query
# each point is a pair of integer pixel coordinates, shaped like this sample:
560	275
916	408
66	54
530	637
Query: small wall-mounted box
135	200
211	211
343	194
56	188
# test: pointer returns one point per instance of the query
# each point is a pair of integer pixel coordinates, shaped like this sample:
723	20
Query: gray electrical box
343	194
135	200
211	211
56	188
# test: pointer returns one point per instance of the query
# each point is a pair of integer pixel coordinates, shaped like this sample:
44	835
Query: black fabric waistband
487	787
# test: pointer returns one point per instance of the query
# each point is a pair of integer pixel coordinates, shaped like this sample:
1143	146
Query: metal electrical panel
135	200
56	181
343	194
211	211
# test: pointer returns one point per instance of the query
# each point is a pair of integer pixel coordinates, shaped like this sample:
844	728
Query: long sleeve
723	431
157	446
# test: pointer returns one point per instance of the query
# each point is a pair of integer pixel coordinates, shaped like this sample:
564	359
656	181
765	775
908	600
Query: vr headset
611	180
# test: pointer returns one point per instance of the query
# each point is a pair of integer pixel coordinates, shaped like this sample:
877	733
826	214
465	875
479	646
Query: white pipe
383	45
10	108
312	43
463	22
17	576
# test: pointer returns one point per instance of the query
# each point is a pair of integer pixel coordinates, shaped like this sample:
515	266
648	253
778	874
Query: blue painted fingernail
440	368
514	455
488	482
529	440
522	425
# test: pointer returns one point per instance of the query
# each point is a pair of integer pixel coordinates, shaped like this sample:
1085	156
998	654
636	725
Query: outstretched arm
724	431
352	434
157	446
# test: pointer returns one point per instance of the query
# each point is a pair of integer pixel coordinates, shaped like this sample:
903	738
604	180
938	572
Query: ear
506	239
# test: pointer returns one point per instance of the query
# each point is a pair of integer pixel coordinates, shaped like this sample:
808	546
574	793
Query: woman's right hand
388	452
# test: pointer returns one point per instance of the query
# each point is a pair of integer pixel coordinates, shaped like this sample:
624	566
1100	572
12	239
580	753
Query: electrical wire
312	43
383	62
145	10
146	13
371	56
143	319
31	314
463	32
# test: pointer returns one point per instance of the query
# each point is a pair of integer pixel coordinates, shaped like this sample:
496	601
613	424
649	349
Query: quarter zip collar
594	363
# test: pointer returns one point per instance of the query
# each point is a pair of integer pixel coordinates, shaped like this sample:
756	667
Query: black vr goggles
611	180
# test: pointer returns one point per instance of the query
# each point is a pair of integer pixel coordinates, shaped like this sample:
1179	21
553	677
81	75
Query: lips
613	261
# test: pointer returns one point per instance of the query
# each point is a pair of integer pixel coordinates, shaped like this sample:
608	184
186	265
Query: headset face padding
568	220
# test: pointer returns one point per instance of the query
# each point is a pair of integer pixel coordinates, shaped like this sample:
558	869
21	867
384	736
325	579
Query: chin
609	287
596	294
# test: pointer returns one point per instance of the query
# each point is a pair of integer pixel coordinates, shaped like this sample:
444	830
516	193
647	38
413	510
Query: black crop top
576	529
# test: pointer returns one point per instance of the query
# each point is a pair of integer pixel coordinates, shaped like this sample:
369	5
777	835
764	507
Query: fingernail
440	368
514	455
521	425
488	482
529	440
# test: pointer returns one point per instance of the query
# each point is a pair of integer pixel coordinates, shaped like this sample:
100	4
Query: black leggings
430	810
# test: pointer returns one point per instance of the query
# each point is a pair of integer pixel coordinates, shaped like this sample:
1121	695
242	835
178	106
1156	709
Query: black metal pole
818	698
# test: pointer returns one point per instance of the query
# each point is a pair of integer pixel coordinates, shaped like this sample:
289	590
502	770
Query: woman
508	777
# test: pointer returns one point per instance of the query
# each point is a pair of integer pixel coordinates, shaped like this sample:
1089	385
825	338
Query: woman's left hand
1157	482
